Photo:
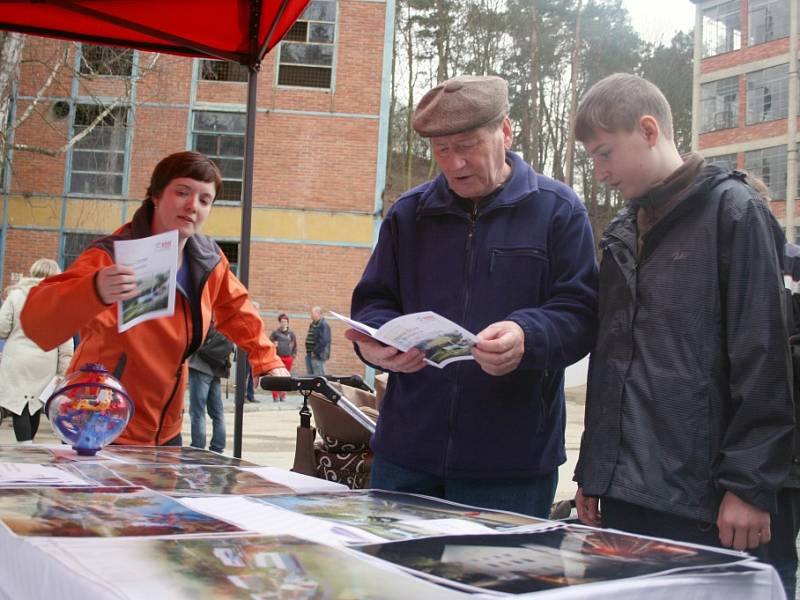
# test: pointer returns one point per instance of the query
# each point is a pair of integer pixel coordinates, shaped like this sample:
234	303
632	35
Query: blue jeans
529	496
205	394
315	366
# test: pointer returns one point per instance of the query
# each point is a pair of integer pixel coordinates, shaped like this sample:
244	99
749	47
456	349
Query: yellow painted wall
295	225
224	222
34	212
93	215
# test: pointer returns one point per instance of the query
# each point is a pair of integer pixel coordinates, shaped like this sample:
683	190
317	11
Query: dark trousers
530	496
616	514
781	552
26	425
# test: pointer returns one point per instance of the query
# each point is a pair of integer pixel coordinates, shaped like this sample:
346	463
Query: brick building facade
745	100
321	129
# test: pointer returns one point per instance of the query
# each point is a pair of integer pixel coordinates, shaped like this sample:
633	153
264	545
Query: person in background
318	343
508	254
689	415
249	390
286	342
151	357
26	369
211	362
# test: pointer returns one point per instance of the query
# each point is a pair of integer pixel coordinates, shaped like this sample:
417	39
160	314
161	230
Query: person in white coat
26	369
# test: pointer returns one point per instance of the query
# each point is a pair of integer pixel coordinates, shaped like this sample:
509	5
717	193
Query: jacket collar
623	226
200	249
440	199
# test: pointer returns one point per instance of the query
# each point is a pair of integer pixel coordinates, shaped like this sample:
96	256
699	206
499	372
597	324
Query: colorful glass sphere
89	409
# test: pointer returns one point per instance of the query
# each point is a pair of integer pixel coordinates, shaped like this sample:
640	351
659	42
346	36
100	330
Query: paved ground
269	429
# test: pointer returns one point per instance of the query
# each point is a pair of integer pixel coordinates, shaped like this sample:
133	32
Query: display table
181	523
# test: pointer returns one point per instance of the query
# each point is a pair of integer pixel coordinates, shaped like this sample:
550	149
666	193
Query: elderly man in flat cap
508	254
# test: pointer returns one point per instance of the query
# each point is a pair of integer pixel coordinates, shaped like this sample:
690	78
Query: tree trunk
534	123
410	104
573	97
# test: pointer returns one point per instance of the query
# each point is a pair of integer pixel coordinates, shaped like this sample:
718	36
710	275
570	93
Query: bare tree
11	58
11	45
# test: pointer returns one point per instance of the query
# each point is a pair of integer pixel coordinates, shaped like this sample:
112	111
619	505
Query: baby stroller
345	410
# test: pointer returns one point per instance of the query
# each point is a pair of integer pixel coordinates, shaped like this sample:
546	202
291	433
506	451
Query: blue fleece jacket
525	255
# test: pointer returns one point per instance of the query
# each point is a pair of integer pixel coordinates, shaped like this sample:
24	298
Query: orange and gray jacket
150	358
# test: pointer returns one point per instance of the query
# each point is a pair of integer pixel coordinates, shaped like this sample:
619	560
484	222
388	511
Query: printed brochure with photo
441	340
155	262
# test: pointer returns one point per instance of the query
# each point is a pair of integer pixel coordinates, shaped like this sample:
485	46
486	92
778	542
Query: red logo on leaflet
164	245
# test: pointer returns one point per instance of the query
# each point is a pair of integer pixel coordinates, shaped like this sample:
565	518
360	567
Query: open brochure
155	261
441	340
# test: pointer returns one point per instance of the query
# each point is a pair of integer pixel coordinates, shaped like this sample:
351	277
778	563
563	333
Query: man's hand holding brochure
438	340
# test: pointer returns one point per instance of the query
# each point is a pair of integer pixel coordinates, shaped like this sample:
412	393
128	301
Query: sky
657	23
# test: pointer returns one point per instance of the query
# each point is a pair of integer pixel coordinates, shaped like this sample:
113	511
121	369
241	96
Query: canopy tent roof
242	31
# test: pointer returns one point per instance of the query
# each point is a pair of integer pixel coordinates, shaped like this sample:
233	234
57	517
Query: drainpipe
791	134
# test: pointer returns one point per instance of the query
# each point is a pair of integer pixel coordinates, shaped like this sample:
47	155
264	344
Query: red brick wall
292	278
24	247
745	133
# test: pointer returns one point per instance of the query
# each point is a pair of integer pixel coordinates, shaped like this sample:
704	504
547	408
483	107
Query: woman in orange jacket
150	358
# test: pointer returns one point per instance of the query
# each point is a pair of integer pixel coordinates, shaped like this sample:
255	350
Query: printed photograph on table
101	512
251	567
27	454
96	473
171	455
198	480
397	515
520	563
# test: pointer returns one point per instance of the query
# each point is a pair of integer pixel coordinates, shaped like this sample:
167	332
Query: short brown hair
183	164
617	102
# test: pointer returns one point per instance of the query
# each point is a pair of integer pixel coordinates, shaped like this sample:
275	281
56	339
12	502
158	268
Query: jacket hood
438	198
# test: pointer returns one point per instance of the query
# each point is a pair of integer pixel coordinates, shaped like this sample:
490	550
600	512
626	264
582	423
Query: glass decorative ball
89	409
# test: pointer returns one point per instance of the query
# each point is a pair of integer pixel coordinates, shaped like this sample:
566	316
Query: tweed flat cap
460	104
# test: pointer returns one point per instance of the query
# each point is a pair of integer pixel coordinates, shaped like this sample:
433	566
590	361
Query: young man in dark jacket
689	413
507	254
206	367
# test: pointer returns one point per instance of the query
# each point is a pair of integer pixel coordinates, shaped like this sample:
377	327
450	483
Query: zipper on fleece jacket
468	260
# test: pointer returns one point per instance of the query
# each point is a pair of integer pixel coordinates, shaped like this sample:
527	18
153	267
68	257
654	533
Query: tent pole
244	246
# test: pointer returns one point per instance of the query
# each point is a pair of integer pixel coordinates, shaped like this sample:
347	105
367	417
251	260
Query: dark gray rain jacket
689	384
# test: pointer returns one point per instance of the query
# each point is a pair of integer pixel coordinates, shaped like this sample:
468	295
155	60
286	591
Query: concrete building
322	126
745	100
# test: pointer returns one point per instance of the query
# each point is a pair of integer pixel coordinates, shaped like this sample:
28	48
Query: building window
768	94
769	164
306	53
767	20
106	60
75	243
98	159
220	136
728	160
720	104
231	252
722	30
221	70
